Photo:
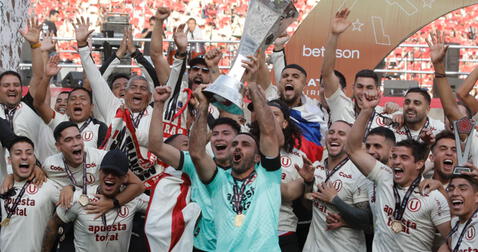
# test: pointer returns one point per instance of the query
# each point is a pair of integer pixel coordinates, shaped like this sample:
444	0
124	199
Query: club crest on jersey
87	135
470	233
414	205
285	161
337	184
90	178
32	189
123	212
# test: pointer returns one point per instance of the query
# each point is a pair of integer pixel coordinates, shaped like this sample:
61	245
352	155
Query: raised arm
464	90
269	141
160	63
39	100
156	145
212	59
32	35
146	67
205	165
105	99
338	26
437	53
359	156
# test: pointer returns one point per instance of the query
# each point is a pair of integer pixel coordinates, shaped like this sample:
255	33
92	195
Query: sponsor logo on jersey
414	205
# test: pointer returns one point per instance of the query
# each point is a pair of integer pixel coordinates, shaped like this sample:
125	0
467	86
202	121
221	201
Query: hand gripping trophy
265	21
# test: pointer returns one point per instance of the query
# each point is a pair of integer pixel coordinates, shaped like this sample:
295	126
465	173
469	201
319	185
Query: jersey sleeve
361	192
68	215
215	185
380	173
440	211
186	164
142	203
341	107
57	119
53	191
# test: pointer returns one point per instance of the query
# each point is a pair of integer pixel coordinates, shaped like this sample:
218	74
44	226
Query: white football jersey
435	125
89	134
28	223
420	219
352	189
469	241
287	218
55	168
94	235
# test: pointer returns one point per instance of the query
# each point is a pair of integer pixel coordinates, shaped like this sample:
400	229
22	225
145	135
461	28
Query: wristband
116	203
440	75
36	45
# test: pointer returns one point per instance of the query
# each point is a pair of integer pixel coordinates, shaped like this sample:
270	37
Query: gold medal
396	226
239	219
83	200
5	222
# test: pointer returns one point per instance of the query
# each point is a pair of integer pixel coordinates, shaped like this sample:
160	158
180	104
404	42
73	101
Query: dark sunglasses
204	69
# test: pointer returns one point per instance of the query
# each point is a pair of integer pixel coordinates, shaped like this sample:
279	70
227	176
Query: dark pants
138	237
288	243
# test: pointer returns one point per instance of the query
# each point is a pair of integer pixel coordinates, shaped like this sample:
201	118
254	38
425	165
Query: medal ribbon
72	178
11	210
409	134
400	207
137	119
239	193
9	114
83	127
455	228
336	168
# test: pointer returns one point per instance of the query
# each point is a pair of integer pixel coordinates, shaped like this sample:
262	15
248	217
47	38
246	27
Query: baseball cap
115	161
199	60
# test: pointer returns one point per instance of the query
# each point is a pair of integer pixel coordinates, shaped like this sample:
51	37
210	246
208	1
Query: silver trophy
463	126
265	21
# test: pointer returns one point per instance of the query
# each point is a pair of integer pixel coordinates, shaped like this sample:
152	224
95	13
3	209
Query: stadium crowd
156	162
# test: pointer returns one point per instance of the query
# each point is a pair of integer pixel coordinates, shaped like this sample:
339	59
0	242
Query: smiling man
110	232
443	157
26	207
416	121
404	220
463	196
79	107
61	101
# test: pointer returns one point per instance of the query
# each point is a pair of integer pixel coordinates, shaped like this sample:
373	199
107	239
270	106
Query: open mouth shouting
108	184
448	165
198	80
236	157
334	146
24	167
137	100
398	172
289	89
457	204
77	110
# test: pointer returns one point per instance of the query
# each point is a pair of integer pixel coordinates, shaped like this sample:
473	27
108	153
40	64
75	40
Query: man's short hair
135	78
227	121
342	121
444	134
61	127
297	67
419	150
199	60
367	73
470	179
152	18
192	19
252	136
112	78
90	94
20	139
422	91
10	72
63	92
384	132
342	80
53	12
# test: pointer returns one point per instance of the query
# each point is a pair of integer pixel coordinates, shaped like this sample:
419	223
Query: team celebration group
147	163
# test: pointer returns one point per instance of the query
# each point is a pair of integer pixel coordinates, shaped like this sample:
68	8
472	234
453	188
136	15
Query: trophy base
460	169
225	94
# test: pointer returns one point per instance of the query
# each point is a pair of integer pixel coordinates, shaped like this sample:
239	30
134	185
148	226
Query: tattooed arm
357	216
51	232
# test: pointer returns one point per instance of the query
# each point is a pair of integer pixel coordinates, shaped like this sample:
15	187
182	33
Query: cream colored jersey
89	133
474	147
469	241
420	219
436	126
342	108
93	235
287	218
28	223
55	168
352	189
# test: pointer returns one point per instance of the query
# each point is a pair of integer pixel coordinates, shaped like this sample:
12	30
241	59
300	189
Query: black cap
115	161
199	60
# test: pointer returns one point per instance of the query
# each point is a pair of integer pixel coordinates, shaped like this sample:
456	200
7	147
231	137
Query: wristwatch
116	203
